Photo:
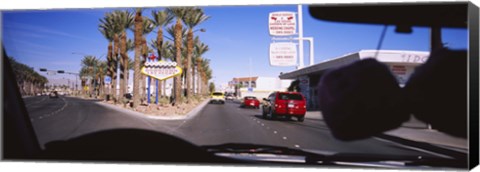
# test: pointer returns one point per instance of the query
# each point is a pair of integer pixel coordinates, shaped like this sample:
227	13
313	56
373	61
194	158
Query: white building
401	63
258	86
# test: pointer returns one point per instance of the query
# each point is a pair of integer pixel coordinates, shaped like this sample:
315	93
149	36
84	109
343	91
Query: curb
189	115
447	145
197	109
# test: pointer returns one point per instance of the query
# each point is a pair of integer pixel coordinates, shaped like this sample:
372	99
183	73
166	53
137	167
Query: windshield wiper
319	158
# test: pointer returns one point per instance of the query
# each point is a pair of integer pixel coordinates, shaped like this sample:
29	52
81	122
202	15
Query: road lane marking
297	146
39	101
275	132
56	111
284	138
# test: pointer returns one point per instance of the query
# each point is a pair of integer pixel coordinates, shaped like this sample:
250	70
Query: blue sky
235	34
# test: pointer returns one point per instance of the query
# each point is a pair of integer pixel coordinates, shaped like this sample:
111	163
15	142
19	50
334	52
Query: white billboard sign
161	70
282	23
283	54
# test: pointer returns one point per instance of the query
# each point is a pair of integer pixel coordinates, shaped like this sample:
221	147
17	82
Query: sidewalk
314	115
429	136
416	130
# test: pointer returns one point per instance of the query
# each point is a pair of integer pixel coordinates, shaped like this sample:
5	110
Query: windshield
119	68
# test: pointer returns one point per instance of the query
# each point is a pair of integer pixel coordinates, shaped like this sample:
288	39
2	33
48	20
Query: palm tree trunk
102	87
189	62
115	67
159	42
193	80
184	76
138	53
124	65
199	80
159	51
199	77
141	88
90	88
164	87
144	59
160	88
178	58
110	66
31	88
205	85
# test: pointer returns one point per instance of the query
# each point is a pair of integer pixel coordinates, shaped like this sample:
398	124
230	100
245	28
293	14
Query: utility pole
300	36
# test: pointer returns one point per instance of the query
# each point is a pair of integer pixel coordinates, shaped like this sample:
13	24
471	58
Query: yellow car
217	97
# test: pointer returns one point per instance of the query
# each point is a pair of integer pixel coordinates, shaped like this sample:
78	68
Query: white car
229	97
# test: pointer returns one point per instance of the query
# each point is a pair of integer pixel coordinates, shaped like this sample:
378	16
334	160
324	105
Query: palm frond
161	18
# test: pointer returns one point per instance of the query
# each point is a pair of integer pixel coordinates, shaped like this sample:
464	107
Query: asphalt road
68	117
228	123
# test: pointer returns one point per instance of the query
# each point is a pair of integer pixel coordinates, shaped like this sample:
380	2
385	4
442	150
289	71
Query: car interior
422	95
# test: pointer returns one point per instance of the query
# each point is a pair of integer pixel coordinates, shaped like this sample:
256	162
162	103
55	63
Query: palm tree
178	13
167	53
160	19
88	64
147	27
183	53
83	74
111	21
130	47
184	65
123	20
29	81
101	71
193	17
204	71
200	49
138	47
107	28
208	76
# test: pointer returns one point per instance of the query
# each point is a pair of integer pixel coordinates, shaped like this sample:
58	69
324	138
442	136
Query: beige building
257	86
